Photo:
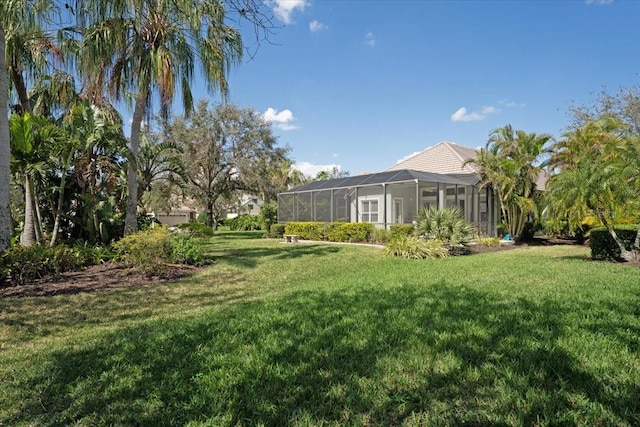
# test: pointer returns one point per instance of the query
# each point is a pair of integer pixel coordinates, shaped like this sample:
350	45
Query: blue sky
362	84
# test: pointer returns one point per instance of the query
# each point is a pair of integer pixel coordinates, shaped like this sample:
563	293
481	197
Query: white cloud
370	39
317	26
509	103
408	156
284	9
309	169
463	116
282	120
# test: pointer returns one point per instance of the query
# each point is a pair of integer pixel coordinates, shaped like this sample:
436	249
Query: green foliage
276	231
353	232
25	264
269	215
488	241
197	229
529	230
555	227
381	236
245	223
416	248
147	250
447	225
186	250
306	230
604	247
145	222
397	230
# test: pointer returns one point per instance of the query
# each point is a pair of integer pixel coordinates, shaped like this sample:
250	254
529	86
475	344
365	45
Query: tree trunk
209	214
28	237
130	223
21	88
5	151
56	222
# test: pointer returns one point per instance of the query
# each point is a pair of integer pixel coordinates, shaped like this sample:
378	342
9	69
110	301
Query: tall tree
5	150
151	47
223	149
597	175
509	163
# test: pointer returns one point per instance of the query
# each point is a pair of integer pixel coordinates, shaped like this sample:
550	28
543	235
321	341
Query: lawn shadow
250	257
444	355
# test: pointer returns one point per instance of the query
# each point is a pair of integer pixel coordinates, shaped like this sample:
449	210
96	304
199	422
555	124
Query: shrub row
21	265
604	247
353	232
244	223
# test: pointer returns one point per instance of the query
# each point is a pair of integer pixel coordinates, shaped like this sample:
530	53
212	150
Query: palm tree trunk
56	222
130	223
28	237
37	217
5	151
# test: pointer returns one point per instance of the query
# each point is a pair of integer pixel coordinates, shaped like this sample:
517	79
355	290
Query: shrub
488	241
353	232
186	250
269	215
447	225
529	230
381	236
197	229
416	248
555	227
146	222
245	223
398	230
306	230
148	250
604	247
276	231
25	264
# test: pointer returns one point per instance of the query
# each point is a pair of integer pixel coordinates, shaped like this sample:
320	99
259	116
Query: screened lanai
387	198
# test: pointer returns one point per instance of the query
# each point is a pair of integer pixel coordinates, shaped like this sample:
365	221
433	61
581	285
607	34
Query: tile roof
442	158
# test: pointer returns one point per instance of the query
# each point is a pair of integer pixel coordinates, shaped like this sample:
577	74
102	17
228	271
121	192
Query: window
369	210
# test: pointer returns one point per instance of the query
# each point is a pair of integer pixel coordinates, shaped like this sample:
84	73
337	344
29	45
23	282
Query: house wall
175	218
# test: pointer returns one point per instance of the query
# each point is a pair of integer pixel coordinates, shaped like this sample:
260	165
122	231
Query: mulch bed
96	278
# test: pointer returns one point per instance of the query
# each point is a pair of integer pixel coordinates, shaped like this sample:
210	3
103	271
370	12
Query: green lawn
313	334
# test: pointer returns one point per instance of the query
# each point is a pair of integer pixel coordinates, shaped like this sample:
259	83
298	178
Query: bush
529	230
416	248
269	215
245	223
186	250
447	225
555	227
488	241
276	231
25	264
148	250
197	229
306	230
604	247
398	230
381	236
353	232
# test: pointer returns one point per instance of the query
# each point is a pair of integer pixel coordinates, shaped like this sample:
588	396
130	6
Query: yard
313	334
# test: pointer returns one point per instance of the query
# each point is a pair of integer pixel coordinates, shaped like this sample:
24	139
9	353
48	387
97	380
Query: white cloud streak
370	39
284	9
315	26
280	119
461	115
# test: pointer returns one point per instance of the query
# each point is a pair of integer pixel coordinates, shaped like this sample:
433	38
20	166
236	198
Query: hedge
604	247
306	230
352	232
401	230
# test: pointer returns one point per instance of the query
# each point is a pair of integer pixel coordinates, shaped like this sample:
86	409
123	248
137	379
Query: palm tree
151	47
509	165
5	150
30	136
598	168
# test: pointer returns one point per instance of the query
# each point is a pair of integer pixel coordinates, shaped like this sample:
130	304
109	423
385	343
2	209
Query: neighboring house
249	205
437	176
177	215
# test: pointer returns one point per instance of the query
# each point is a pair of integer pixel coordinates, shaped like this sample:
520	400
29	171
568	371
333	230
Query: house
438	176
249	205
178	215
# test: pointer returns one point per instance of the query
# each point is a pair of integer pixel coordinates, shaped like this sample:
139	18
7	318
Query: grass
315	334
